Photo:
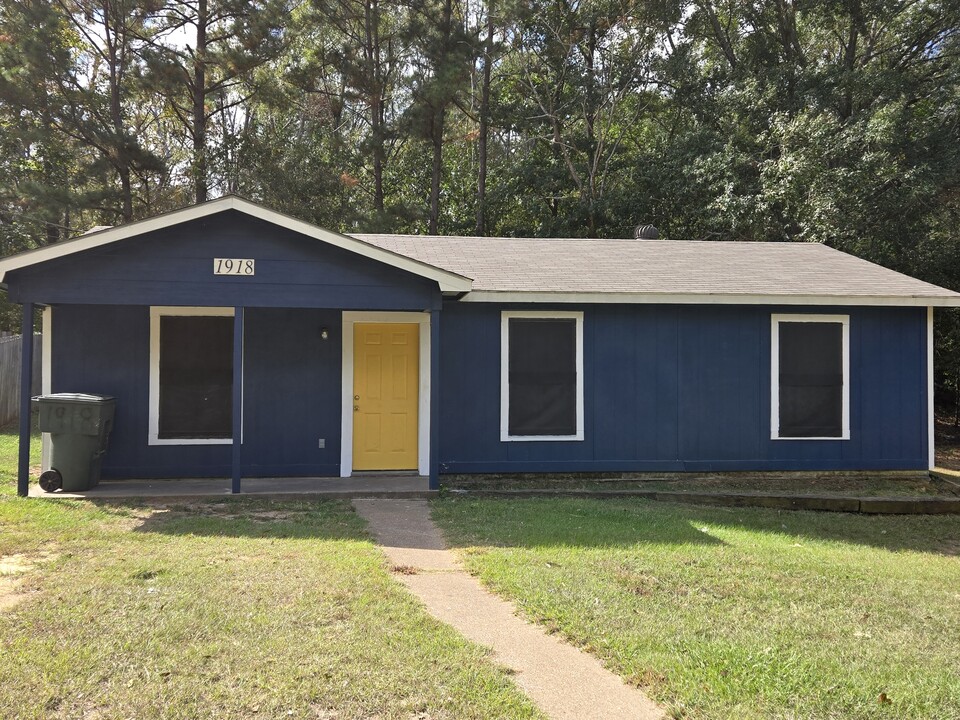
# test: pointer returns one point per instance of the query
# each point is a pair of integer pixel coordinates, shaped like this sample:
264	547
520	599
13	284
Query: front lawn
735	613
236	608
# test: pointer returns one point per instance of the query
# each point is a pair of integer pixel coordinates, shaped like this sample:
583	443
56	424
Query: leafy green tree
442	58
201	57
95	97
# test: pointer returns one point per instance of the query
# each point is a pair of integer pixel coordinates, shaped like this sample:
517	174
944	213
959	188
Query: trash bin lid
75	398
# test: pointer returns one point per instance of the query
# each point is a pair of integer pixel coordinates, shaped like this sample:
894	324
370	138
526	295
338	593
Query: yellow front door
385	381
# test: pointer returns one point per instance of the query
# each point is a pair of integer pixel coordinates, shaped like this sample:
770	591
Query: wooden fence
10	347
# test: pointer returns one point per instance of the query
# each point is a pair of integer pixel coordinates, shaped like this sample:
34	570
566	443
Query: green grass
9	449
236	608
735	613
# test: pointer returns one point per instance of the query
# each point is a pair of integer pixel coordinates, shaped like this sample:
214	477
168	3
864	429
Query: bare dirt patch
227	512
403	570
12	570
948	445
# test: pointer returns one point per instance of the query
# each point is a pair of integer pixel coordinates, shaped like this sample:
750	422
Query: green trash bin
79	427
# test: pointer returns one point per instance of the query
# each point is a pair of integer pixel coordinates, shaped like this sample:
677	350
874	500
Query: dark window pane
543	377
196	377
811	379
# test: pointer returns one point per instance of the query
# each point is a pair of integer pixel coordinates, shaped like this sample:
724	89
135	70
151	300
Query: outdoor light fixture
324	334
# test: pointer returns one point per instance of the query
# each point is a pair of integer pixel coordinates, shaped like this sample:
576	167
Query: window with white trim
541	375
810	377
191	375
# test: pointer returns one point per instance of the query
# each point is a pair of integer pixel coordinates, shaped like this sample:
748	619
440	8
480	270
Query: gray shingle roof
659	267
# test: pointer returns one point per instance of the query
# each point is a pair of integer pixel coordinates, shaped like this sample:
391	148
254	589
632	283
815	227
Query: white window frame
505	318
156	312
775	320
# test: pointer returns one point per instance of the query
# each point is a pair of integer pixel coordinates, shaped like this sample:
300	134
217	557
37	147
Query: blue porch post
26	385
237	396
435	399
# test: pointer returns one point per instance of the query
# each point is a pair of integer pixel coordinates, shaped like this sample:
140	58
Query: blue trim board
435	398
237	405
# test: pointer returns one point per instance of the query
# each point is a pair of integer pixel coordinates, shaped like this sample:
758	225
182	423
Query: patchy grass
236	608
9	449
735	612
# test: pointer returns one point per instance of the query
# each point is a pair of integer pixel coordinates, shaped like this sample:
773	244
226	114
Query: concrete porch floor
395	486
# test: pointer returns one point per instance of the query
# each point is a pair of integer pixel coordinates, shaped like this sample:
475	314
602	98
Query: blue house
240	342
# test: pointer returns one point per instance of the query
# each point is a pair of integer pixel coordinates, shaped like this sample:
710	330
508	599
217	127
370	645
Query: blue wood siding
174	266
670	388
291	391
667	388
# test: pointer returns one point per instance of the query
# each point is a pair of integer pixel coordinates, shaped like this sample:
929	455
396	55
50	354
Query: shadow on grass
570	522
937	534
627	522
240	518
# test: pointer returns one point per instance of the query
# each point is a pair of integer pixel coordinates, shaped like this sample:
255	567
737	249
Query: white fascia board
493	296
448	281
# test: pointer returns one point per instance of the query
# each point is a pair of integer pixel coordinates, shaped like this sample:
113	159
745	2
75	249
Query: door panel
385	387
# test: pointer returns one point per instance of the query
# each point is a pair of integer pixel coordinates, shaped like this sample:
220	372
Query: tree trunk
438	116
377	115
436	133
199	129
590	117
484	126
122	161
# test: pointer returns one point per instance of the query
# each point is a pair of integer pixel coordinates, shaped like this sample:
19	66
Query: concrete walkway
562	681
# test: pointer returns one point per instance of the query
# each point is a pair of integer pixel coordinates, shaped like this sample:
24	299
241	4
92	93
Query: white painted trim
490	296
46	378
448	281
775	320
350	318
153	431
931	419
505	318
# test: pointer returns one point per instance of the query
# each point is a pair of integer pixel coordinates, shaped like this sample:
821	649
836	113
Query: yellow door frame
350	318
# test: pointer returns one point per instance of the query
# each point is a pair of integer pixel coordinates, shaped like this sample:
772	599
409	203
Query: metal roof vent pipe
646	232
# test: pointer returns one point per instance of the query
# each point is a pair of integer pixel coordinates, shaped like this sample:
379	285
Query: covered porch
250	376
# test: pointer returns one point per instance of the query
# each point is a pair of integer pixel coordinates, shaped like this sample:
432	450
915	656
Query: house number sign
233	266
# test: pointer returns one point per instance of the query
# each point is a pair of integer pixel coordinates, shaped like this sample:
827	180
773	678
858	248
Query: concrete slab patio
410	486
562	681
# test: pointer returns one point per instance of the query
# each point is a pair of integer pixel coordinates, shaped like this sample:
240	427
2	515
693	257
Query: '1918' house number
233	266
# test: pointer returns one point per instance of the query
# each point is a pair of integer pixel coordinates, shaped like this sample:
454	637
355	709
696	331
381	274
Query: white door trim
931	418
350	318
46	378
